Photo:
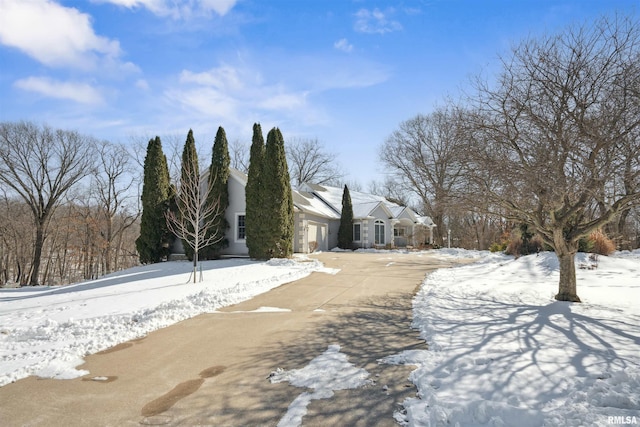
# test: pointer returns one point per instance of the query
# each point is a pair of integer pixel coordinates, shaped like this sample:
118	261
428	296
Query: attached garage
317	236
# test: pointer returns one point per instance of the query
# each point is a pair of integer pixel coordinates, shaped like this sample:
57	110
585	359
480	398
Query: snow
328	372
46	331
501	351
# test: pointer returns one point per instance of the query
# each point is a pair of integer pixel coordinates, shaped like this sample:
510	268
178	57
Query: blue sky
345	72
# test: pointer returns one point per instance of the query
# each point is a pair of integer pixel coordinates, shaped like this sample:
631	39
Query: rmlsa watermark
622	420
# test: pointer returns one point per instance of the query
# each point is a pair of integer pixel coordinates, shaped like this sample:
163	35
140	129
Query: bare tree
425	156
195	216
171	144
626	182
16	235
309	162
239	153
353	184
546	139
391	190
41	165
113	181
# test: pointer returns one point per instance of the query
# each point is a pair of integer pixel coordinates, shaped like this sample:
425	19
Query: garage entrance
317	237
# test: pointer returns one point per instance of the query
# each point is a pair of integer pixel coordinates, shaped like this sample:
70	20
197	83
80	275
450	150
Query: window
240	234
379	232
356	232
400	231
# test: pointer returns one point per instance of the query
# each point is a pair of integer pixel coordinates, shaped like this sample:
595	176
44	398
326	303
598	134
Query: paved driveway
213	369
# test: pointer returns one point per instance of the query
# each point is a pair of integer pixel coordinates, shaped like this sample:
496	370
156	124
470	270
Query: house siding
237	206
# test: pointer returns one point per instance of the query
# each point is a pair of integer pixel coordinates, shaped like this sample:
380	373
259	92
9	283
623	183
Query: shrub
601	244
523	242
498	247
585	244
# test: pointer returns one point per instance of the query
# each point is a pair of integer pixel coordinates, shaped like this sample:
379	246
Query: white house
317	209
377	222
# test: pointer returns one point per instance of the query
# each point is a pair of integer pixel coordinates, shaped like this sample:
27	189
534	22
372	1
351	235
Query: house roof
364	204
426	220
235	173
308	203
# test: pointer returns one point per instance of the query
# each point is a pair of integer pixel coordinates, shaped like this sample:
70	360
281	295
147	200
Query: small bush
498	247
602	245
585	244
523	242
313	246
514	247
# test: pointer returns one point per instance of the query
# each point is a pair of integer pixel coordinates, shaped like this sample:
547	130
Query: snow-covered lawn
503	352
46	331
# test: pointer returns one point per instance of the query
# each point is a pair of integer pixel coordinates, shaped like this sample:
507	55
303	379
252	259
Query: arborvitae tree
155	240
254	195
278	200
345	231
219	193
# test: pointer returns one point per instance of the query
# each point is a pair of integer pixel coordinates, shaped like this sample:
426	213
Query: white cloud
82	93
228	91
177	8
54	35
237	94
206	101
343	45
142	84
376	22
221	7
282	101
224	78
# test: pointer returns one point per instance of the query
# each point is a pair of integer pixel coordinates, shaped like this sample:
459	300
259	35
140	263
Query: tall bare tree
16	235
547	138
425	155
195	220
309	162
41	165
113	182
626	182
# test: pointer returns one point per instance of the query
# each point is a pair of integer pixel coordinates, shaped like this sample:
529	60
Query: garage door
317	233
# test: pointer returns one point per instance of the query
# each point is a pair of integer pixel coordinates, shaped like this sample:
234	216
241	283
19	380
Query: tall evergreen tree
154	242
254	195
278	200
345	231
219	193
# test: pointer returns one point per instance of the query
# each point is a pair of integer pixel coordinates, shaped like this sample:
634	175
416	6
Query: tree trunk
37	256
108	244
195	265
566	252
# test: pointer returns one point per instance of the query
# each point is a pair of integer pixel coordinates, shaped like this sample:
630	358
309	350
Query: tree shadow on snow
167	271
510	338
